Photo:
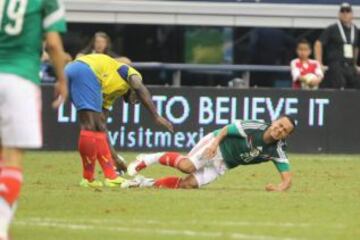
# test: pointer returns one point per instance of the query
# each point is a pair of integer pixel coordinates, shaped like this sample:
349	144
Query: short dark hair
304	41
291	119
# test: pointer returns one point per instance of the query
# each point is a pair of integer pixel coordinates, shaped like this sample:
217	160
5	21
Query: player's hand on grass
60	93
272	188
165	123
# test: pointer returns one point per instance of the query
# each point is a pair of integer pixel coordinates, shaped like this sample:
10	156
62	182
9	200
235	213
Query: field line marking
160	231
217	223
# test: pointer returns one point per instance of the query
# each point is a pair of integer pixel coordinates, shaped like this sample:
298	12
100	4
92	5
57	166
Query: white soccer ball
308	79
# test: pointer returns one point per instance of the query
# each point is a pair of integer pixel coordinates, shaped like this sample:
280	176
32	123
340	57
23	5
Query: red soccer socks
104	156
94	145
87	150
10	183
168	182
171	159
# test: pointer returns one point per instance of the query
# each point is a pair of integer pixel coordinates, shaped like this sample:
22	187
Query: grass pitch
324	203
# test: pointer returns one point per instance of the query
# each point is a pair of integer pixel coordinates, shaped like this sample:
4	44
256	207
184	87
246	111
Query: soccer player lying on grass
240	143
95	82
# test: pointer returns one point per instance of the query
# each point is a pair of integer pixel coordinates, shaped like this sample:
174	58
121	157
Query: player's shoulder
253	124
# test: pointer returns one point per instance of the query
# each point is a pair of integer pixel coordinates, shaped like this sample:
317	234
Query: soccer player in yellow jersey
95	82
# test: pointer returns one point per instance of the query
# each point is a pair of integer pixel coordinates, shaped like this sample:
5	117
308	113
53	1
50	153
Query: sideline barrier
328	120
178	68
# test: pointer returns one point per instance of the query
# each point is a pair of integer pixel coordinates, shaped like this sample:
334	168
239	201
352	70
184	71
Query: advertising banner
327	121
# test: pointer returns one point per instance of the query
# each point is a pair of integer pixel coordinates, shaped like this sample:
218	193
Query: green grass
324	203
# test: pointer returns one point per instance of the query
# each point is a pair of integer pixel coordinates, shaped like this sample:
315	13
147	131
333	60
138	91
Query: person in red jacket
306	73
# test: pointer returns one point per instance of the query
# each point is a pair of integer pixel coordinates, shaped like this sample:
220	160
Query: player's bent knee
186	166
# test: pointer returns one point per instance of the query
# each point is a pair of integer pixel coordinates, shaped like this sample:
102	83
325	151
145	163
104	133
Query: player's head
282	127
303	49
101	42
346	13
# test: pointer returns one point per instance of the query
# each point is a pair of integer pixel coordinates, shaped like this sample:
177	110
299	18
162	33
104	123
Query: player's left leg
10	185
106	160
186	164
20	128
188	182
171	159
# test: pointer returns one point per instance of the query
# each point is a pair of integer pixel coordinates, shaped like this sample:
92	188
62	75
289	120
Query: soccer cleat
114	182
94	184
138	182
136	166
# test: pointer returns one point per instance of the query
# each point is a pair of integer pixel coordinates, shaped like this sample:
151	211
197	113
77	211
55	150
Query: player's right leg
20	128
199	178
186	164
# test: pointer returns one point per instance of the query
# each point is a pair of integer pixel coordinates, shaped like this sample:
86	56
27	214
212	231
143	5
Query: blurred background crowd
315	57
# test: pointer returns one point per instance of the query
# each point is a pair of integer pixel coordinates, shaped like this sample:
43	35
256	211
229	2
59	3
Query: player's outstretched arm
283	186
145	97
55	49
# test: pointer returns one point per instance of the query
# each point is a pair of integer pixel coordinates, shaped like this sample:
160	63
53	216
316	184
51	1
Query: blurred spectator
338	47
47	73
306	73
100	43
268	46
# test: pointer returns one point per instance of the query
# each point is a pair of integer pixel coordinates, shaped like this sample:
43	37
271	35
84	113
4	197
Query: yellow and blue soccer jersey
96	80
112	75
22	25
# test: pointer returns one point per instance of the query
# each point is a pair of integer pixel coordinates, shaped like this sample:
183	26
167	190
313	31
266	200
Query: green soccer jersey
22	25
244	145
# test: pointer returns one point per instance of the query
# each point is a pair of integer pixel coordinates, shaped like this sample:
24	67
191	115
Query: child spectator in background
306	73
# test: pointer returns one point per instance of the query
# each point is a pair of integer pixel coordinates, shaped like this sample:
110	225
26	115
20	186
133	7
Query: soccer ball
308	79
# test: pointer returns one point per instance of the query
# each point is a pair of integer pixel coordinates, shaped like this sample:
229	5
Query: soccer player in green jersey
240	143
24	24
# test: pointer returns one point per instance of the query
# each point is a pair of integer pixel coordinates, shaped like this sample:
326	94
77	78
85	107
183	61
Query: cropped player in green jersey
240	143
24	24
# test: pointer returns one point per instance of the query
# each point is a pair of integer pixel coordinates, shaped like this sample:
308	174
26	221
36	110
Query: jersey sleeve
236	129
126	71
318	70
280	159
295	71
282	166
54	16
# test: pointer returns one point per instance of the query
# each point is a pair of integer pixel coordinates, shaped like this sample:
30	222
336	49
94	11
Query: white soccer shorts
207	170
20	112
